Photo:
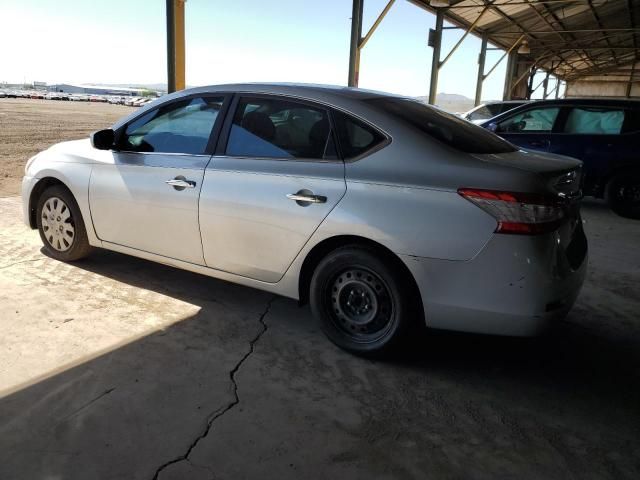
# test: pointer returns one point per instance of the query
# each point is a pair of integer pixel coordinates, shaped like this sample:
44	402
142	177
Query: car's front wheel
623	194
60	225
363	303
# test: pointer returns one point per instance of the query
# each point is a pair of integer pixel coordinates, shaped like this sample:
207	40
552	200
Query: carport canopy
577	41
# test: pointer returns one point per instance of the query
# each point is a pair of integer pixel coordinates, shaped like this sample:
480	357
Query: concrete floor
117	368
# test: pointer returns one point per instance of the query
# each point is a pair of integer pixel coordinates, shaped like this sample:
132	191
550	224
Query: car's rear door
147	198
530	128
592	133
275	177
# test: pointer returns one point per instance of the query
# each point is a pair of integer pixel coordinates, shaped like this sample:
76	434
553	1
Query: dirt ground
116	367
30	126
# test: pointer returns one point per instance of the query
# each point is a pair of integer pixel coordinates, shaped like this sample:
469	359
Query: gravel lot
29	126
116	367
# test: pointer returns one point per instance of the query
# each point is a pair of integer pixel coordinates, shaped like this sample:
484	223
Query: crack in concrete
18	263
221	411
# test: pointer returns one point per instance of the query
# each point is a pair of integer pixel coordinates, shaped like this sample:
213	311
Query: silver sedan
379	211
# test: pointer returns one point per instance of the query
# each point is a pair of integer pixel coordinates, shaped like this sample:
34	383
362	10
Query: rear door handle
180	183
539	143
306	198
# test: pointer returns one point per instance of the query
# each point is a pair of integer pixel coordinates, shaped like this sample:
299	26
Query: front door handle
180	183
305	197
539	143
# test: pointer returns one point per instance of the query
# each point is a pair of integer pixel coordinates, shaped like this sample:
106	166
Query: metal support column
630	84
508	76
481	60
175	45
530	89
545	85
356	35
435	61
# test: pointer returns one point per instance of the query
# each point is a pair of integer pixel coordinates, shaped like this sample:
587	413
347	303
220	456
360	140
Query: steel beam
516	43
175	45
499	33
383	14
354	50
466	33
481	60
435	60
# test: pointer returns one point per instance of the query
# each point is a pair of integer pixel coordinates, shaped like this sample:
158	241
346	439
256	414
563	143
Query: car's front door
531	128
267	190
147	197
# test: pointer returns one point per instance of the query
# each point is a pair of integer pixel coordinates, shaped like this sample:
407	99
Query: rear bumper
515	286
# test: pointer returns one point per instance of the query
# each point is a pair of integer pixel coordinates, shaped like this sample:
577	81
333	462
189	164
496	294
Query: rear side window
354	136
594	121
275	128
179	127
444	127
533	120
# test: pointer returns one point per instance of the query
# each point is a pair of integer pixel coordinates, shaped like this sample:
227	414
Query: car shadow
571	396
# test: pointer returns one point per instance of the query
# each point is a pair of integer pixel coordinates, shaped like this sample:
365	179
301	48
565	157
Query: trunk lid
561	175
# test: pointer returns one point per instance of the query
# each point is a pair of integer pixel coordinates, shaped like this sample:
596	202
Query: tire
60	224
623	194
363	304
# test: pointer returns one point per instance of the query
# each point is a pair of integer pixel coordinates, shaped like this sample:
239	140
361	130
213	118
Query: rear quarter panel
410	221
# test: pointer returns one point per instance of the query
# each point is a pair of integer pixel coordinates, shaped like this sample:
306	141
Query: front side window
508	106
275	128
180	127
354	136
594	121
534	120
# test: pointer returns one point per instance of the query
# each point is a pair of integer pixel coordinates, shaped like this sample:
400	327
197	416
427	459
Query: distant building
97	90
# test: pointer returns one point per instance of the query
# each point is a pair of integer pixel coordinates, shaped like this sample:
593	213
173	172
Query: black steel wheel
363	303
623	194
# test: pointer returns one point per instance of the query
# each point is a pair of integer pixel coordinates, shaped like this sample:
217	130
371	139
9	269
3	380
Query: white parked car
382	212
488	110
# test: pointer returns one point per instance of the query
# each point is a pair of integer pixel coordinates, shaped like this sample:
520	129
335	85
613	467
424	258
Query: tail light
518	213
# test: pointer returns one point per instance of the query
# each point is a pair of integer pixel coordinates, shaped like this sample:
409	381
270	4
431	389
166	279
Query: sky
124	42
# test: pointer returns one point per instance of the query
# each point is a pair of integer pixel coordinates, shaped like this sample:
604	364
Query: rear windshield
448	129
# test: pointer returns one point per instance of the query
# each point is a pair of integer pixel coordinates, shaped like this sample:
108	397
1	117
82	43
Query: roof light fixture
440	3
524	48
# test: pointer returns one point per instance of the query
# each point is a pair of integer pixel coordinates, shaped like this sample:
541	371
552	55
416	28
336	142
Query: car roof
295	89
612	101
564	102
494	102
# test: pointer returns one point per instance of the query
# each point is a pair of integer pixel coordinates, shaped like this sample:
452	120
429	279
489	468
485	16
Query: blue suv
603	133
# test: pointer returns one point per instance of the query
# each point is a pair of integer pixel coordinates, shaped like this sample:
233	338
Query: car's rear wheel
623	194
363	303
60	225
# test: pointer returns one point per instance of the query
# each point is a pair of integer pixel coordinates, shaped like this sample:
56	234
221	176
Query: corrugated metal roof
571	38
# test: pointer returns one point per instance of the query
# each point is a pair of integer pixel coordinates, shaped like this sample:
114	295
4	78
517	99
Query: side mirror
103	139
493	127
